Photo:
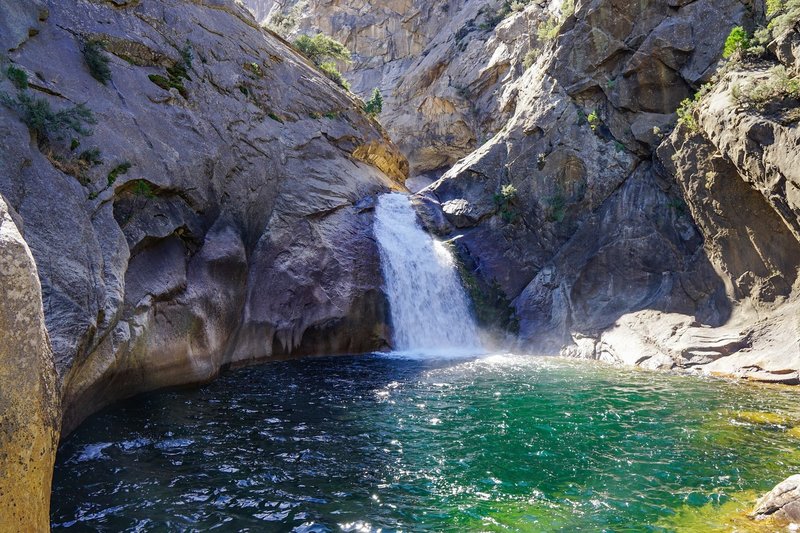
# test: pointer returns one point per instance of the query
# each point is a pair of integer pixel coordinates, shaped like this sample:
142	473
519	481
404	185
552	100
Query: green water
496	444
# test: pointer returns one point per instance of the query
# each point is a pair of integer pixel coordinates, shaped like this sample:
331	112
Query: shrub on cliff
97	61
18	77
45	123
783	15
737	41
779	85
505	201
321	48
332	72
323	51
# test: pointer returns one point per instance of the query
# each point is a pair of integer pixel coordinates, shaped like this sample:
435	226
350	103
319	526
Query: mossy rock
493	309
732	515
167	84
762	418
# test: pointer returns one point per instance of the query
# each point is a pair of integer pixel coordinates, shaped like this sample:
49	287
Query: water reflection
375	442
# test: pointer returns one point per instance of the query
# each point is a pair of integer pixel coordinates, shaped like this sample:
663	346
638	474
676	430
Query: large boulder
782	502
29	414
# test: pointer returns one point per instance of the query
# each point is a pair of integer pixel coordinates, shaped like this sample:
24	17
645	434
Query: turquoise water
502	443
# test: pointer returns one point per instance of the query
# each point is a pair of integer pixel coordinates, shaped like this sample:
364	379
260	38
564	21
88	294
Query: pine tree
374	105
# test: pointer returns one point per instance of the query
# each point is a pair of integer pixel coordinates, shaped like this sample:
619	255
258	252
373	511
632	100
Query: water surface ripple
503	443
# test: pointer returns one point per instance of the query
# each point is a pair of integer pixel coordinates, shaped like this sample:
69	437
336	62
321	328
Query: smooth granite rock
29	405
782	502
231	236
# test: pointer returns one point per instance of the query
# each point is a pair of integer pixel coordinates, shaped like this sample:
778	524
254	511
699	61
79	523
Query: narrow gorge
189	187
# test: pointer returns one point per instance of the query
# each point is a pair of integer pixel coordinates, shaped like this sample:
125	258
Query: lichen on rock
29	402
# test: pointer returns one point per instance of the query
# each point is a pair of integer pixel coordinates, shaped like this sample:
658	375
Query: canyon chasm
610	186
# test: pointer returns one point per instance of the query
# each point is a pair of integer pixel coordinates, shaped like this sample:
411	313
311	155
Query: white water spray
430	311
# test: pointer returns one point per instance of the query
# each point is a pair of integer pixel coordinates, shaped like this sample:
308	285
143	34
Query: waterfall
429	309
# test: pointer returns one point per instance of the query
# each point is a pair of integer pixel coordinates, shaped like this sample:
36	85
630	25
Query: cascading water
430	311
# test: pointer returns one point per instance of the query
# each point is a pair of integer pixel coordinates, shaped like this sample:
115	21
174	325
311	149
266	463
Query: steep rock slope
582	223
684	258
592	228
218	211
737	164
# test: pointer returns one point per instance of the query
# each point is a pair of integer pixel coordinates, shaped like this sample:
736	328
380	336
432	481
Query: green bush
688	106
323	51
285	23
91	156
169	82
786	16
46	124
780	84
548	30
332	72
594	120
18	77
686	113
567	9
374	105
773	7
320	48
97	61
255	68
118	171
143	188
493	17
505	202
530	58
187	55
737	40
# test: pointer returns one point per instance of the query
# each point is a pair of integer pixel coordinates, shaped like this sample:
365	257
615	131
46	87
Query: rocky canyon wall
446	69
584	221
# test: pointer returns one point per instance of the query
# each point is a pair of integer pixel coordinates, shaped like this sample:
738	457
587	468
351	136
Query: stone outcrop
29	414
736	164
216	214
782	502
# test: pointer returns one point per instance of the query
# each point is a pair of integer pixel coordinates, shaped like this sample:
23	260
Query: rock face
210	217
445	68
782	502
595	228
29	415
578	210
